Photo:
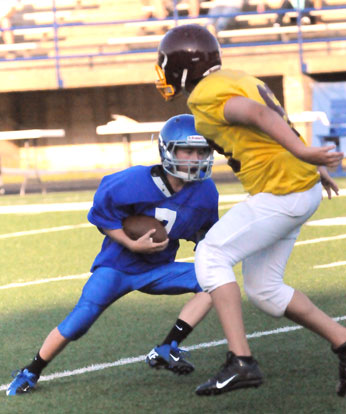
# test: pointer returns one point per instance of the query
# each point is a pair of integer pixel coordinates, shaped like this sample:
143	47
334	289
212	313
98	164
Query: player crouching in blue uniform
181	195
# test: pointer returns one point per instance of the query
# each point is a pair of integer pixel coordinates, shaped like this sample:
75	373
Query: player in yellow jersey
243	120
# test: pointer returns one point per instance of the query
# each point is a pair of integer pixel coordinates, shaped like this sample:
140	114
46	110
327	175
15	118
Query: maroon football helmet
186	54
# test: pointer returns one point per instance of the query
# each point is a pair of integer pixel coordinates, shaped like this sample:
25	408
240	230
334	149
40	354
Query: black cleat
341	352
237	372
169	357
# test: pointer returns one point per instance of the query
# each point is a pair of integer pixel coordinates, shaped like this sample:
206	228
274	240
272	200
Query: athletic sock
178	333
245	358
37	365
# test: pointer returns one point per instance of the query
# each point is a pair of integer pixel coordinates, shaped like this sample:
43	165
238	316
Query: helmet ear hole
179	132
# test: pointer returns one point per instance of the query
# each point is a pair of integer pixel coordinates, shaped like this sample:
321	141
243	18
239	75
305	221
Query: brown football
136	226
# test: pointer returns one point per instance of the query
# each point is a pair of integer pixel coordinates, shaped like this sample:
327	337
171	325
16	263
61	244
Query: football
136	226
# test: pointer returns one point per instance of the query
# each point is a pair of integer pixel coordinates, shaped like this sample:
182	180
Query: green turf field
104	372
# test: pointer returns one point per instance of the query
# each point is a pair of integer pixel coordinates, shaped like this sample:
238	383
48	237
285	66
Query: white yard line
333	221
140	358
226	206
321	239
185	259
48	280
86	205
45	208
46	230
232	198
334	264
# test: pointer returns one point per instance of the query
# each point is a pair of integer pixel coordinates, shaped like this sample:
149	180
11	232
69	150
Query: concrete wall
79	112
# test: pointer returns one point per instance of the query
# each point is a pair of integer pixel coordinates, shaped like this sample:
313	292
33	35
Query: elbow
262	117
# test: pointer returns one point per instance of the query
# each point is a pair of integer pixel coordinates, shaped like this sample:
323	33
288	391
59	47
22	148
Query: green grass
300	371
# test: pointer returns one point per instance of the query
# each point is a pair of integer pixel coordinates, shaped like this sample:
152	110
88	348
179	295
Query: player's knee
273	301
212	267
205	298
79	321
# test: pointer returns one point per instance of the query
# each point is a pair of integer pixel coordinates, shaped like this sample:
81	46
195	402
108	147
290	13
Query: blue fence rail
264	35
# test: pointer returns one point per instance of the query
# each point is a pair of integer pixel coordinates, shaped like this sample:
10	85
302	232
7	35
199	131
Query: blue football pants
106	285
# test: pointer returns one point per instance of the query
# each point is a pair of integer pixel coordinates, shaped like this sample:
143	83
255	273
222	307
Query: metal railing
55	51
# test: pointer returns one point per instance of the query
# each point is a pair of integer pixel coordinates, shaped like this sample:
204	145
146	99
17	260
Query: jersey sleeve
210	97
111	204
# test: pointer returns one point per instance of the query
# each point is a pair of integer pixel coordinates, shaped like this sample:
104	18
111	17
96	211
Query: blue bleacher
337	128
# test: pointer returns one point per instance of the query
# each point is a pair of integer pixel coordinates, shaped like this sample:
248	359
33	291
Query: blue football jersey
133	191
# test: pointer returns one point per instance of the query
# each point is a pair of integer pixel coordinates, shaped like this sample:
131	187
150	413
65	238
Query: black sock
245	358
37	365
178	333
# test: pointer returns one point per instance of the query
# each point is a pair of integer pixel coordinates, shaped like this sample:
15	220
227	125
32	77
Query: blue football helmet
179	132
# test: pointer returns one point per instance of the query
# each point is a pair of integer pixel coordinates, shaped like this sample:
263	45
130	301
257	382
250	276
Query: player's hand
322	156
146	245
328	183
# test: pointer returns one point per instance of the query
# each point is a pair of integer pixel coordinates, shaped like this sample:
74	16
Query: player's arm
144	244
328	183
245	111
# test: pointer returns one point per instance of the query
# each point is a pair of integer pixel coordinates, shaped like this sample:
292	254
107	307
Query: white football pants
261	233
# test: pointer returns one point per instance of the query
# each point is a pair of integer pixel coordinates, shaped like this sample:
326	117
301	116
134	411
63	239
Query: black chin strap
161	180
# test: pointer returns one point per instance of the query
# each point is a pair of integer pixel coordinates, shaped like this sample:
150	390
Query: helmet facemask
167	91
195	170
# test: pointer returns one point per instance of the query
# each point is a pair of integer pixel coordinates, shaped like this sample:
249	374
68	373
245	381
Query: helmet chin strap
184	77
183	81
211	70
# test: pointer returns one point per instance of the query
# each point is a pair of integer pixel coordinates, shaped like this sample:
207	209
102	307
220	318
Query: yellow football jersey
260	163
